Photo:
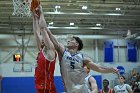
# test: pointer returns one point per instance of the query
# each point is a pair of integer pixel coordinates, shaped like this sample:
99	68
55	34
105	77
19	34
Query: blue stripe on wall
26	84
18	85
98	79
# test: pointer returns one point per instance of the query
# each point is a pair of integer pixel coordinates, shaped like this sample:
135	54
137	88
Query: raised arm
42	35
99	68
42	26
36	31
59	47
49	47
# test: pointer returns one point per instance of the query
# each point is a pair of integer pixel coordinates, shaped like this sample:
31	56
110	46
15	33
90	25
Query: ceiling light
98	24
51	23
64	13
57	6
114	14
71	24
84	7
75	28
118	8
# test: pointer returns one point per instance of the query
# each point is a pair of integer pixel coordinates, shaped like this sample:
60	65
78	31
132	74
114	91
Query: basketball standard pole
23	41
23	38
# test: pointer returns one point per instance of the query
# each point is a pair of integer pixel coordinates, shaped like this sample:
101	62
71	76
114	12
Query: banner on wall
132	51
108	51
121	70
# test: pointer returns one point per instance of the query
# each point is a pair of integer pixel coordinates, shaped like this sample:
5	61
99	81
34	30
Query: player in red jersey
44	71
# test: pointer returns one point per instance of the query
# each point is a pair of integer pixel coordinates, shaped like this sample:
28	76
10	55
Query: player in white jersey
72	62
122	87
90	81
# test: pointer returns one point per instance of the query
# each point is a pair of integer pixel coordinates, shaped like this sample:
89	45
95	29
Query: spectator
122	87
136	85
106	89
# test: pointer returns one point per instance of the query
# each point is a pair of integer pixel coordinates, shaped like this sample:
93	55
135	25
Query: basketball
34	4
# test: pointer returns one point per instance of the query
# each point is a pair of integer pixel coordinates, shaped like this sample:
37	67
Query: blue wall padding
132	51
18	85
98	79
59	84
26	84
108	51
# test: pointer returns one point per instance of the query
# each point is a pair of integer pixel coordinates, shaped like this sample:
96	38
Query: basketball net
24	7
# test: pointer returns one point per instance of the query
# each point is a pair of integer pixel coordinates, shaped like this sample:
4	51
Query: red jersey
110	91
44	73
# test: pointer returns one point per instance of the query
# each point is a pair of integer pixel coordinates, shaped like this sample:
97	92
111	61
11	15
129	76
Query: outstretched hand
37	11
115	71
118	74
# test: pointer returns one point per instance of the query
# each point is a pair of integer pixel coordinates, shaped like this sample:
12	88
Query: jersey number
72	64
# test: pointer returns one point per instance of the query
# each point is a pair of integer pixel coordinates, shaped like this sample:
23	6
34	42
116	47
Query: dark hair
122	76
80	47
106	81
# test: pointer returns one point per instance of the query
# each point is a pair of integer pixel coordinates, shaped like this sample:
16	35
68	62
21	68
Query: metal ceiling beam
9	37
133	36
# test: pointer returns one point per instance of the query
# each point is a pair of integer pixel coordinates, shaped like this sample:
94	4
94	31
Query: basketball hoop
24	7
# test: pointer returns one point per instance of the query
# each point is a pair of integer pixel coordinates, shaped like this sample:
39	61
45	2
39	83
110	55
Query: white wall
7	70
93	50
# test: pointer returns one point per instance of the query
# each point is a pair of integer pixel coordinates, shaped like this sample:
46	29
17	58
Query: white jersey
72	72
88	83
125	88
